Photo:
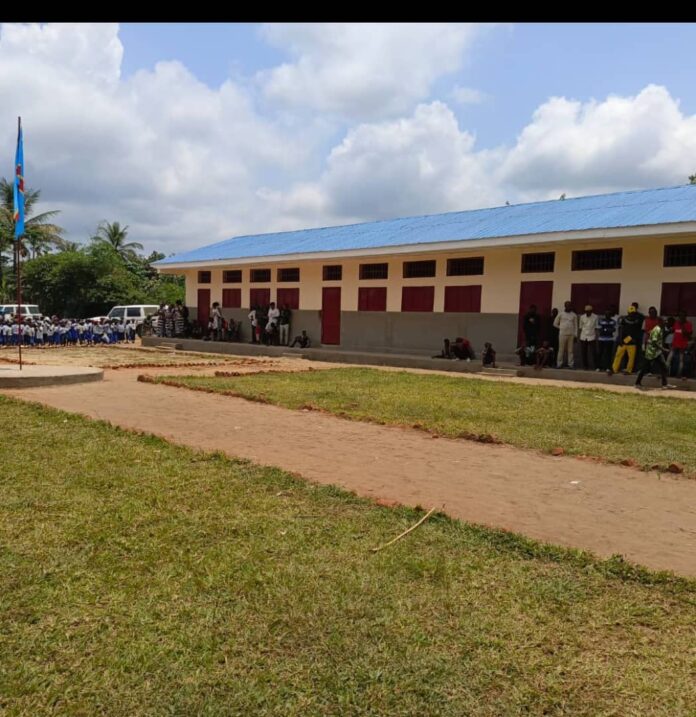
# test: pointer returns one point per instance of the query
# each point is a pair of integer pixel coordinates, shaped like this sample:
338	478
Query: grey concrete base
32	376
371	358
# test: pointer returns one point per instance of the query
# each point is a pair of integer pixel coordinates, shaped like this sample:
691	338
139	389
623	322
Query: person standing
552	332
587	324
216	317
285	315
606	329
183	311
683	331
567	324
629	336
654	357
253	318
530	327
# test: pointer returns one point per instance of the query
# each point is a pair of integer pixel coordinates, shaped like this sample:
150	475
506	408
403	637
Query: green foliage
78	280
142	578
90	280
692	179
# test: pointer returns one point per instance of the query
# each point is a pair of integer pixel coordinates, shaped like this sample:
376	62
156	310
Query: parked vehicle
29	311
133	313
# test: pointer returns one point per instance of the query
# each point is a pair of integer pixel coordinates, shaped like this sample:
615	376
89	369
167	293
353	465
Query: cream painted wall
641	275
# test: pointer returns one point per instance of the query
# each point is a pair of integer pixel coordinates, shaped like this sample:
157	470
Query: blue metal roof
604	211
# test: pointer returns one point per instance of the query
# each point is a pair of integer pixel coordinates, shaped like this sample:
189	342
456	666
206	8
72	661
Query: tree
114	235
692	179
40	233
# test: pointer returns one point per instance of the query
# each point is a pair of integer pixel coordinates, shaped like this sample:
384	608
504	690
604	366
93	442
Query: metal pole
18	242
19	298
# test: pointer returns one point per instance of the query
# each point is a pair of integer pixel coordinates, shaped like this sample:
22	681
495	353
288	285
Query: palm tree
40	233
114	235
67	245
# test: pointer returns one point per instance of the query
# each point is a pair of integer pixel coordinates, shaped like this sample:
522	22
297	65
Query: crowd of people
611	342
55	332
268	325
662	346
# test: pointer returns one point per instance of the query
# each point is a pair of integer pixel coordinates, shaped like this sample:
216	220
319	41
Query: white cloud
363	71
641	141
184	164
467	95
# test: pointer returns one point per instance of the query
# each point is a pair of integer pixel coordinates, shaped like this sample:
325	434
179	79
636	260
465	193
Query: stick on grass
406	532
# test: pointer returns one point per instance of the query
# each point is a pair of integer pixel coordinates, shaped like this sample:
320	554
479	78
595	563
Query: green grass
142	578
593	422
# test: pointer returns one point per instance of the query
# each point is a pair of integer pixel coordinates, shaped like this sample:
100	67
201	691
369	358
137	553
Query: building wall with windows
420	297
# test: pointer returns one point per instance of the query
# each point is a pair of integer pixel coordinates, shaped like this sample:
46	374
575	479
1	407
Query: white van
29	311
133	314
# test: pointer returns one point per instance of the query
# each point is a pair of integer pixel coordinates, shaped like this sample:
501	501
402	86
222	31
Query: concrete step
501	372
169	347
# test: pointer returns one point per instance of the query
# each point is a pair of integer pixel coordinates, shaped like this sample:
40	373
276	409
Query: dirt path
648	518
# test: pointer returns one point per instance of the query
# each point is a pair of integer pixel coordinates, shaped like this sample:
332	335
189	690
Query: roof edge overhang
675	228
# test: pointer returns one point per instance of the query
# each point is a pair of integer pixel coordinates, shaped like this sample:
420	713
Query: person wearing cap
630	328
567	324
587	324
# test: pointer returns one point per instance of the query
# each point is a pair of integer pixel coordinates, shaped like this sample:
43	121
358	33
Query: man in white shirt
587	323
254	322
567	324
272	325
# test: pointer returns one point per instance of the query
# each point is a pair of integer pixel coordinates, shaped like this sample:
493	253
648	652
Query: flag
19	185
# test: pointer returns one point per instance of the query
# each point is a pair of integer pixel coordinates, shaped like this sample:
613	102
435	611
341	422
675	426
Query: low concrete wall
424	331
410	332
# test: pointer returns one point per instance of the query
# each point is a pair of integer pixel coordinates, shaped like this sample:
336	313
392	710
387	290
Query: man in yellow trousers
629	337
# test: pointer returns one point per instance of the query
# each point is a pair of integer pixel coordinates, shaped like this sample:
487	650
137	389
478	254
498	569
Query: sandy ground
648	518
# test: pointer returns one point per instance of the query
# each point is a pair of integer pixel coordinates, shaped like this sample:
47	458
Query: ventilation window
260	276
333	272
538	263
374	271
595	259
680	255
465	267
418	269
232	277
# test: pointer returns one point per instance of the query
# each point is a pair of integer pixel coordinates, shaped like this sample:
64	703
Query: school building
405	284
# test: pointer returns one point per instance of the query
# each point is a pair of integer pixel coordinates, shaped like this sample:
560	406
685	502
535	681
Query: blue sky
193	133
517	66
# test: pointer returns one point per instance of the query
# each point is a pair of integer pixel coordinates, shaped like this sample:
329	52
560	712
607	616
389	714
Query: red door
601	297
203	306
541	294
331	315
259	297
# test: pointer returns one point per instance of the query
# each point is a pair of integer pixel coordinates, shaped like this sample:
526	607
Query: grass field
138	577
590	422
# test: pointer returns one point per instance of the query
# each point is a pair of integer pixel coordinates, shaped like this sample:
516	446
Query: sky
194	133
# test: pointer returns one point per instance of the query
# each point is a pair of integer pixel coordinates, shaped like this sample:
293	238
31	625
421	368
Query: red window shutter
372	298
678	295
259	297
601	297
417	298
463	298
231	298
291	297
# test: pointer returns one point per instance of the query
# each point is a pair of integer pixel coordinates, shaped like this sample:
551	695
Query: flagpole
18	243
19	299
